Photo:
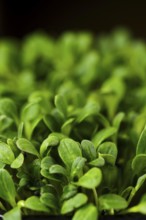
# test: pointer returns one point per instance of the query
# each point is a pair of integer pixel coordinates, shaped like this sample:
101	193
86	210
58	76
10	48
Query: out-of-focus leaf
14	213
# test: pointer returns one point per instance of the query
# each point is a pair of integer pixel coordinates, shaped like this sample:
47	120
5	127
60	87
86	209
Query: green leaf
35	204
88	150
118	119
87	212
17	163
91	179
58	117
77	167
67	126
2	207
14	213
108	151
139	164
117	122
2	165
47	162
112	201
51	123
26	146
12	143
103	120
58	169
69	191
140	207
140	182
48	175
6	154
7	188
7	107
89	110
48	188
52	140
49	200
141	146
61	104
23	182
99	162
69	150
5	122
31	116
113	90
73	203
102	135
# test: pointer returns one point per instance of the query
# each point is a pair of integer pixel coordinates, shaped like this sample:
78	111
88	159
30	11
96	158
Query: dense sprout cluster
72	125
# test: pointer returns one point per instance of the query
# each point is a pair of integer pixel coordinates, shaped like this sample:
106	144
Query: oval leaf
91	179
102	135
67	126
47	162
69	150
77	167
88	150
112	201
8	107
108	151
18	161
89	110
26	146
52	140
73	203
49	200
6	154
56	168
7	188
139	164
47	143
99	162
14	213
48	175
140	207
69	191
87	212
35	204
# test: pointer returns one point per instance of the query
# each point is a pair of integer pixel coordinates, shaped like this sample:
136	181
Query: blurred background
20	17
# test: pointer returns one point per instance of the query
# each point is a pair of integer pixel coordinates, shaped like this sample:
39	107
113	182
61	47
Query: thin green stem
131	196
112	212
95	196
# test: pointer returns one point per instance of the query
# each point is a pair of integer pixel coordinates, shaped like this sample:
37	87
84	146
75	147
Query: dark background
20	17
